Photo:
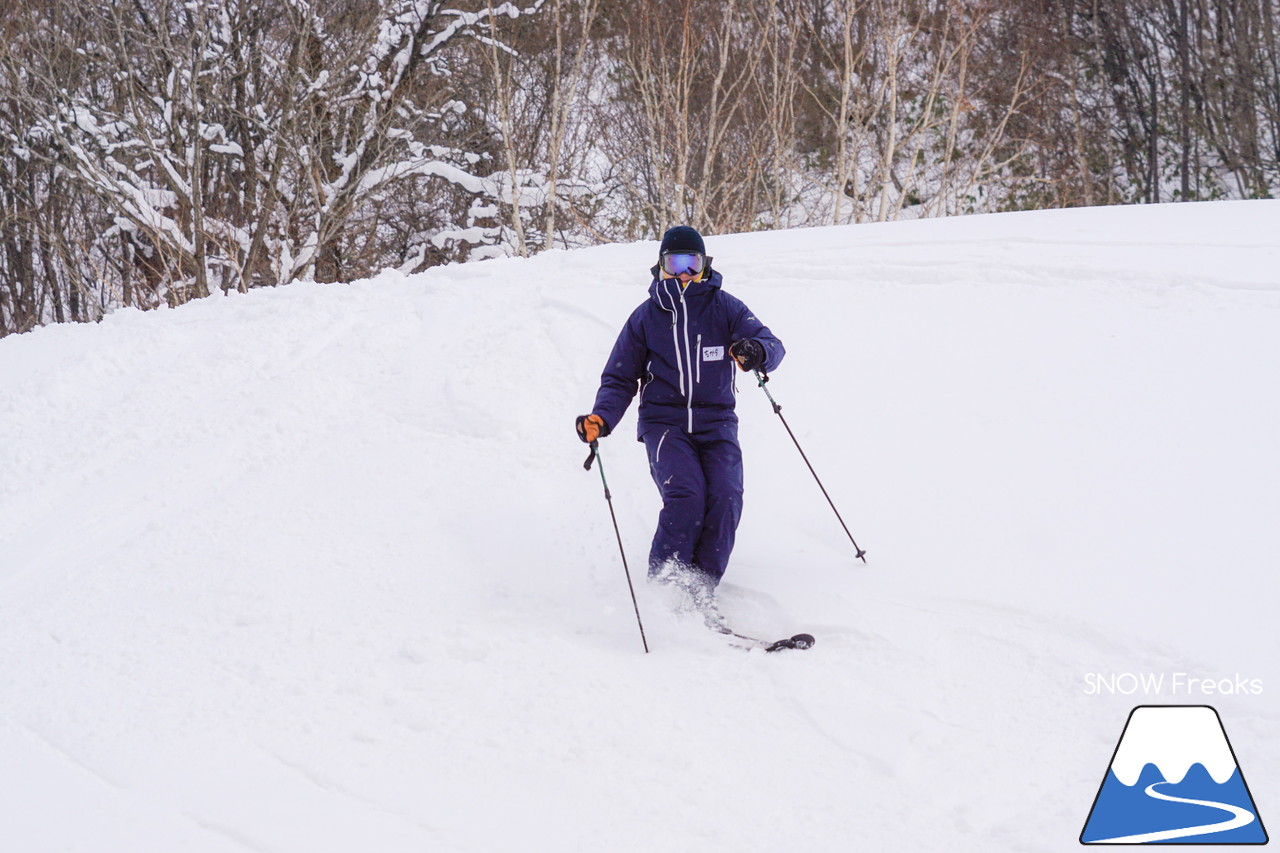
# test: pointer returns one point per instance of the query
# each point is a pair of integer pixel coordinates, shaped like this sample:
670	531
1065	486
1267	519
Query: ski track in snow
318	568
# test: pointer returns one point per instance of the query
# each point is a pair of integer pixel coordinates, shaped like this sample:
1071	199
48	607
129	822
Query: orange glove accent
591	427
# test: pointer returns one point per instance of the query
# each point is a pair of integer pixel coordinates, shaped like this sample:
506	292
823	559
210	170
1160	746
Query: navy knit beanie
682	238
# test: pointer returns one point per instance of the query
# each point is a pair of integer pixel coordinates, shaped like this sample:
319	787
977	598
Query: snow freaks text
1168	684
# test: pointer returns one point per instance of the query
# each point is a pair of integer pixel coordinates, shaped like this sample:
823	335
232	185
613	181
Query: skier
679	349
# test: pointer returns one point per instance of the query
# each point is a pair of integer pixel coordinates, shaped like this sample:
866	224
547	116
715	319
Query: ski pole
592	457
763	377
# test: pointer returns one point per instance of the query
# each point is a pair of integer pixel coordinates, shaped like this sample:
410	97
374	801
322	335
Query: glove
591	427
748	352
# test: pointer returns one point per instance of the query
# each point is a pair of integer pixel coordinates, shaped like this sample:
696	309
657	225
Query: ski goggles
675	263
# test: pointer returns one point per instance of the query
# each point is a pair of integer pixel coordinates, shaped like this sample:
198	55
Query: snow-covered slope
319	569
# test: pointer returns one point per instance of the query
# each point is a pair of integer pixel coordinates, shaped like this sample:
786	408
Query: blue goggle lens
676	263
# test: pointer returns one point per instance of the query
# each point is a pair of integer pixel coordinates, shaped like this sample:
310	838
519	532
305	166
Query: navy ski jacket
675	351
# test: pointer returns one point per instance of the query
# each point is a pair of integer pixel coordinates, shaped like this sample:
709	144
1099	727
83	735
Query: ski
796	641
713	619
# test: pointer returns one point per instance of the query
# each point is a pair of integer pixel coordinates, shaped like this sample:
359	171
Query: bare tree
160	150
683	114
232	143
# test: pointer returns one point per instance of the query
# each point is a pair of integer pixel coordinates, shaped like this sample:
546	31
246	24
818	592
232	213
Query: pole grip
762	377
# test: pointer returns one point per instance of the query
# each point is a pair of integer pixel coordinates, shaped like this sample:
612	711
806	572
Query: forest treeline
156	151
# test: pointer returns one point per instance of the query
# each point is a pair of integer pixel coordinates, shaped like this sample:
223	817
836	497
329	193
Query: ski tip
795	641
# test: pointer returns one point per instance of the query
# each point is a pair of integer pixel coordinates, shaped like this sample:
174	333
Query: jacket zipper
675	340
689	357
684	359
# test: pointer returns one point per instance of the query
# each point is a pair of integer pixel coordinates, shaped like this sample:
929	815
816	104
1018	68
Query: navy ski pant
700	479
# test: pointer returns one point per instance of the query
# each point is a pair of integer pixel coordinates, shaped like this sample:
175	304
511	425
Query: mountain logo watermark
1173	779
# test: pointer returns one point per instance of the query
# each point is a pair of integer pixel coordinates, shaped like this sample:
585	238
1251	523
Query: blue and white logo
1174	779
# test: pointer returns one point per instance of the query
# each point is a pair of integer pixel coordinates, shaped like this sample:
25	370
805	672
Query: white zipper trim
657	453
698	352
675	339
689	354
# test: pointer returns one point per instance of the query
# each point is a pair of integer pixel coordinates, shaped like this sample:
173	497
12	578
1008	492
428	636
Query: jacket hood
706	284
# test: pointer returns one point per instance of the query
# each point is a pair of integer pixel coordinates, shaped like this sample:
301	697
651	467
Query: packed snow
318	568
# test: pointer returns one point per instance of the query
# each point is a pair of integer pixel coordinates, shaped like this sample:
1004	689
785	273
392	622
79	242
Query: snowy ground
318	569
